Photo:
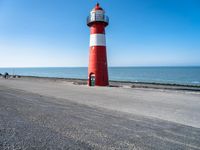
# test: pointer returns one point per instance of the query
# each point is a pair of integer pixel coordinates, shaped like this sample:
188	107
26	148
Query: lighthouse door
92	79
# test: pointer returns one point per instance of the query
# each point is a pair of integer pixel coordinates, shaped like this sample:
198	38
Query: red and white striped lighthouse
97	69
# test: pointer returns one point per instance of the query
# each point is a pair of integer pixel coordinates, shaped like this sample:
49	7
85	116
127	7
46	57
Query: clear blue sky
39	33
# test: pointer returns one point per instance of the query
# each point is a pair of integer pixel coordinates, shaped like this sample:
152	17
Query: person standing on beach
6	75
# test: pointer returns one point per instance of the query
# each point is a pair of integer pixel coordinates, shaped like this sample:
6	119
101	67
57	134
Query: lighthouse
97	69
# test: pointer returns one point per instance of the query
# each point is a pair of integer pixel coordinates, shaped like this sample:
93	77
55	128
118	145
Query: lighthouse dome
97	7
97	10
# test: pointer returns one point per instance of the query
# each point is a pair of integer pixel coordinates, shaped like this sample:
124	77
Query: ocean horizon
184	75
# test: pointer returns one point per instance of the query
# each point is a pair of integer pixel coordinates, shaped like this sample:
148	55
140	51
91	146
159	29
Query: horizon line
108	66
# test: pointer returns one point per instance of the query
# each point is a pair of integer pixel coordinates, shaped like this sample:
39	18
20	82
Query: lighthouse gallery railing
93	18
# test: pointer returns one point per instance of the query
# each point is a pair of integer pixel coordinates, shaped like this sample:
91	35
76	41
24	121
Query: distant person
6	75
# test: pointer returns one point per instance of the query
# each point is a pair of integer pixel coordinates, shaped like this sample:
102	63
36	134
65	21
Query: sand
71	115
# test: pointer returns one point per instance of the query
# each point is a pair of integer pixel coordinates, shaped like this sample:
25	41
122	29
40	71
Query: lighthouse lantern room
97	69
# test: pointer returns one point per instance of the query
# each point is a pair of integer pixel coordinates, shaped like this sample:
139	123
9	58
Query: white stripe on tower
97	40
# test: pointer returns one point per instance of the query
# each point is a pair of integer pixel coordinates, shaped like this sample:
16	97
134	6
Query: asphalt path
177	106
33	121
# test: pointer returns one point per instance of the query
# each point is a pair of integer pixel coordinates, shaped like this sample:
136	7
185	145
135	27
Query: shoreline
125	84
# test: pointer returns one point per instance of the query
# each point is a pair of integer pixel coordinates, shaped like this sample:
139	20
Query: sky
53	33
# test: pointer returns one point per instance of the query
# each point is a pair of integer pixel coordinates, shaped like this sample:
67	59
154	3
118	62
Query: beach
56	113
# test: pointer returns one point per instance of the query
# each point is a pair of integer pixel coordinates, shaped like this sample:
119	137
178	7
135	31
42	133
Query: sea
166	75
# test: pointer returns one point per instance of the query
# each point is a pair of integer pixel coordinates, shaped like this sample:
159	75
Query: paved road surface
176	106
33	121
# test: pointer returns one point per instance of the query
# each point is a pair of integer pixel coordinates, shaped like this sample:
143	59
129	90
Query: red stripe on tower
97	69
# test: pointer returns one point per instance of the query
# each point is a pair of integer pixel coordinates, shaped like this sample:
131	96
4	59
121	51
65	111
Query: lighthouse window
92	17
99	17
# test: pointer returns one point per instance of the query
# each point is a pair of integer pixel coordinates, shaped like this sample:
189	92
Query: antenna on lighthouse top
97	4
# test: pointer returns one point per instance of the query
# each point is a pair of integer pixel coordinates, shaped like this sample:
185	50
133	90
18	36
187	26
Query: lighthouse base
98	70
